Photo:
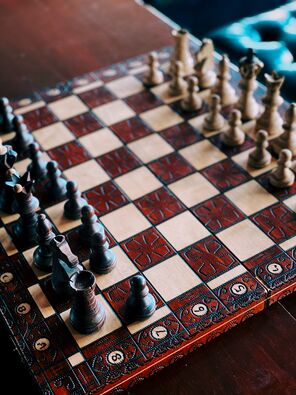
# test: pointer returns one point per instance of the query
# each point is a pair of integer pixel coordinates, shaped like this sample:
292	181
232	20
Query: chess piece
205	64
37	167
90	225
234	135
23	137
56	186
260	157
249	68
222	87
6	115
288	138
74	204
182	52
214	121
178	85
7	174
193	102
87	314
43	255
154	75
102	260
140	303
3	148
64	265
282	176
270	120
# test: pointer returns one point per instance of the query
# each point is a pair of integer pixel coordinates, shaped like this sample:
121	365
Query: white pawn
288	138
260	157
234	135
178	85
222	86
214	121
282	176
154	75
193	101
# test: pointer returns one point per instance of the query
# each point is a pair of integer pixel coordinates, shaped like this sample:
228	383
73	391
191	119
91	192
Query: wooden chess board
214	240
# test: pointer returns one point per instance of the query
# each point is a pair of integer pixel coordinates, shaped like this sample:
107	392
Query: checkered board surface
214	240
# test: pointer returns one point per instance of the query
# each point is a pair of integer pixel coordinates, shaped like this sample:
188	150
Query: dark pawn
43	255
87	313
23	137
90	225
56	186
140	304
101	260
7	175
74	204
37	167
6	115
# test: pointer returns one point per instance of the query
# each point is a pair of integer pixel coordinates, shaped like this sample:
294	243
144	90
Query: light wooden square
172	277
291	203
56	215
161	118
158	315
227	276
202	154
286	245
242	160
182	230
68	107
125	222
53	135
114	112
111	324
87	87
88	175
162	91
41	301
76	359
125	86
150	147
193	189
7	218
100	142
7	243
250	197
28	254
30	107
138	182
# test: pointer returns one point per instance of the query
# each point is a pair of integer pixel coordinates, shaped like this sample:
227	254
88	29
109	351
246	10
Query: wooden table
46	42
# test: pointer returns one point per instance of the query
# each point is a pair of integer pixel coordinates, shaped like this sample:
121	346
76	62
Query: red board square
147	248
69	154
143	101
131	129
83	124
39	118
159	205
181	135
218	213
97	97
118	162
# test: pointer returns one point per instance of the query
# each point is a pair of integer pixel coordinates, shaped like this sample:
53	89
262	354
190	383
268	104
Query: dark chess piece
23	138
7	174
37	167
87	314
74	204
6	115
101	260
43	255
56	186
64	265
90	225
140	304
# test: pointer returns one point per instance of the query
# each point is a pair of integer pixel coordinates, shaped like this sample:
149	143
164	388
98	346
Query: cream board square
150	148
158	315
162	91
250	197
138	182
68	107
41	300
161	118
7	218
172	277
88	175
76	359
193	189
7	243
56	214
125	222
100	142
125	86
53	135
245	239
202	154
291	203
114	112
242	160
182	230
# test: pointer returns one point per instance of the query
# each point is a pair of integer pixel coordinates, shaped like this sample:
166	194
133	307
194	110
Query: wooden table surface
43	42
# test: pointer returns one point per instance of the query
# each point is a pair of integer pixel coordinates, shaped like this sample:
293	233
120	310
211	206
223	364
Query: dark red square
69	154
147	248
181	135
39	118
118	162
105	198
131	129
159	205
97	97
218	213
209	258
171	167
143	101
83	124
225	175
